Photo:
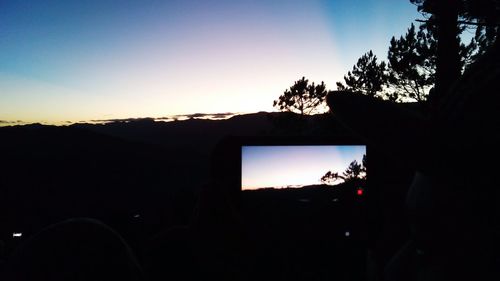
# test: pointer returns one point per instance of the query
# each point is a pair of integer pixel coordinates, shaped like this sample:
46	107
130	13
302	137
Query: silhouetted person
76	249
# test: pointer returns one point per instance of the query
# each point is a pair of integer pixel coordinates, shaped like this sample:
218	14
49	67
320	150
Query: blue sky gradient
81	60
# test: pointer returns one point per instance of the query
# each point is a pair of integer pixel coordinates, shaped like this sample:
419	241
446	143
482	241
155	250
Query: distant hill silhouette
114	170
187	132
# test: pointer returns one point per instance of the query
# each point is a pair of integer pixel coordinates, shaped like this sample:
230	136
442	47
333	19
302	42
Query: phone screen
299	166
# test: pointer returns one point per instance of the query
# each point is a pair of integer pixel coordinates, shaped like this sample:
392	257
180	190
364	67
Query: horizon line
166	118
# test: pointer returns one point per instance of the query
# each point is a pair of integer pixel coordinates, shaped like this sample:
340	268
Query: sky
282	166
103	59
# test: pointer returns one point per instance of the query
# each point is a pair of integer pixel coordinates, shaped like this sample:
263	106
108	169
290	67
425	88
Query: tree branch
463	22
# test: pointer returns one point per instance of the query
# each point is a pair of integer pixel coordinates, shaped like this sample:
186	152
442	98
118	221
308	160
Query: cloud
205	115
211	116
121	120
11	122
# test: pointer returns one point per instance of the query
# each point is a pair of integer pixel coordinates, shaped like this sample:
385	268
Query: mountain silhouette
111	171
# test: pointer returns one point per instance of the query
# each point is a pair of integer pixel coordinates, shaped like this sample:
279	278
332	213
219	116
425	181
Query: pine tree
302	98
367	76
412	64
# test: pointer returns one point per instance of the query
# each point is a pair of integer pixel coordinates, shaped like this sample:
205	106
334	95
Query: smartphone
287	163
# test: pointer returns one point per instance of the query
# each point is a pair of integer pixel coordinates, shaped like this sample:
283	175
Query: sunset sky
102	59
281	166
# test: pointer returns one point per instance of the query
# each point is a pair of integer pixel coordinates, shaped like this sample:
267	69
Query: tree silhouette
302	98
484	15
354	171
367	76
363	167
449	19
484	37
412	64
331	178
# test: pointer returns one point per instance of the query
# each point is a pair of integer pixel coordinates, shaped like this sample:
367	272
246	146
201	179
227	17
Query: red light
360	192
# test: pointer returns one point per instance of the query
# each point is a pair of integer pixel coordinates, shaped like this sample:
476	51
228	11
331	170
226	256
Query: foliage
484	38
367	76
480	16
485	16
302	97
413	60
412	64
353	172
411	69
470	12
